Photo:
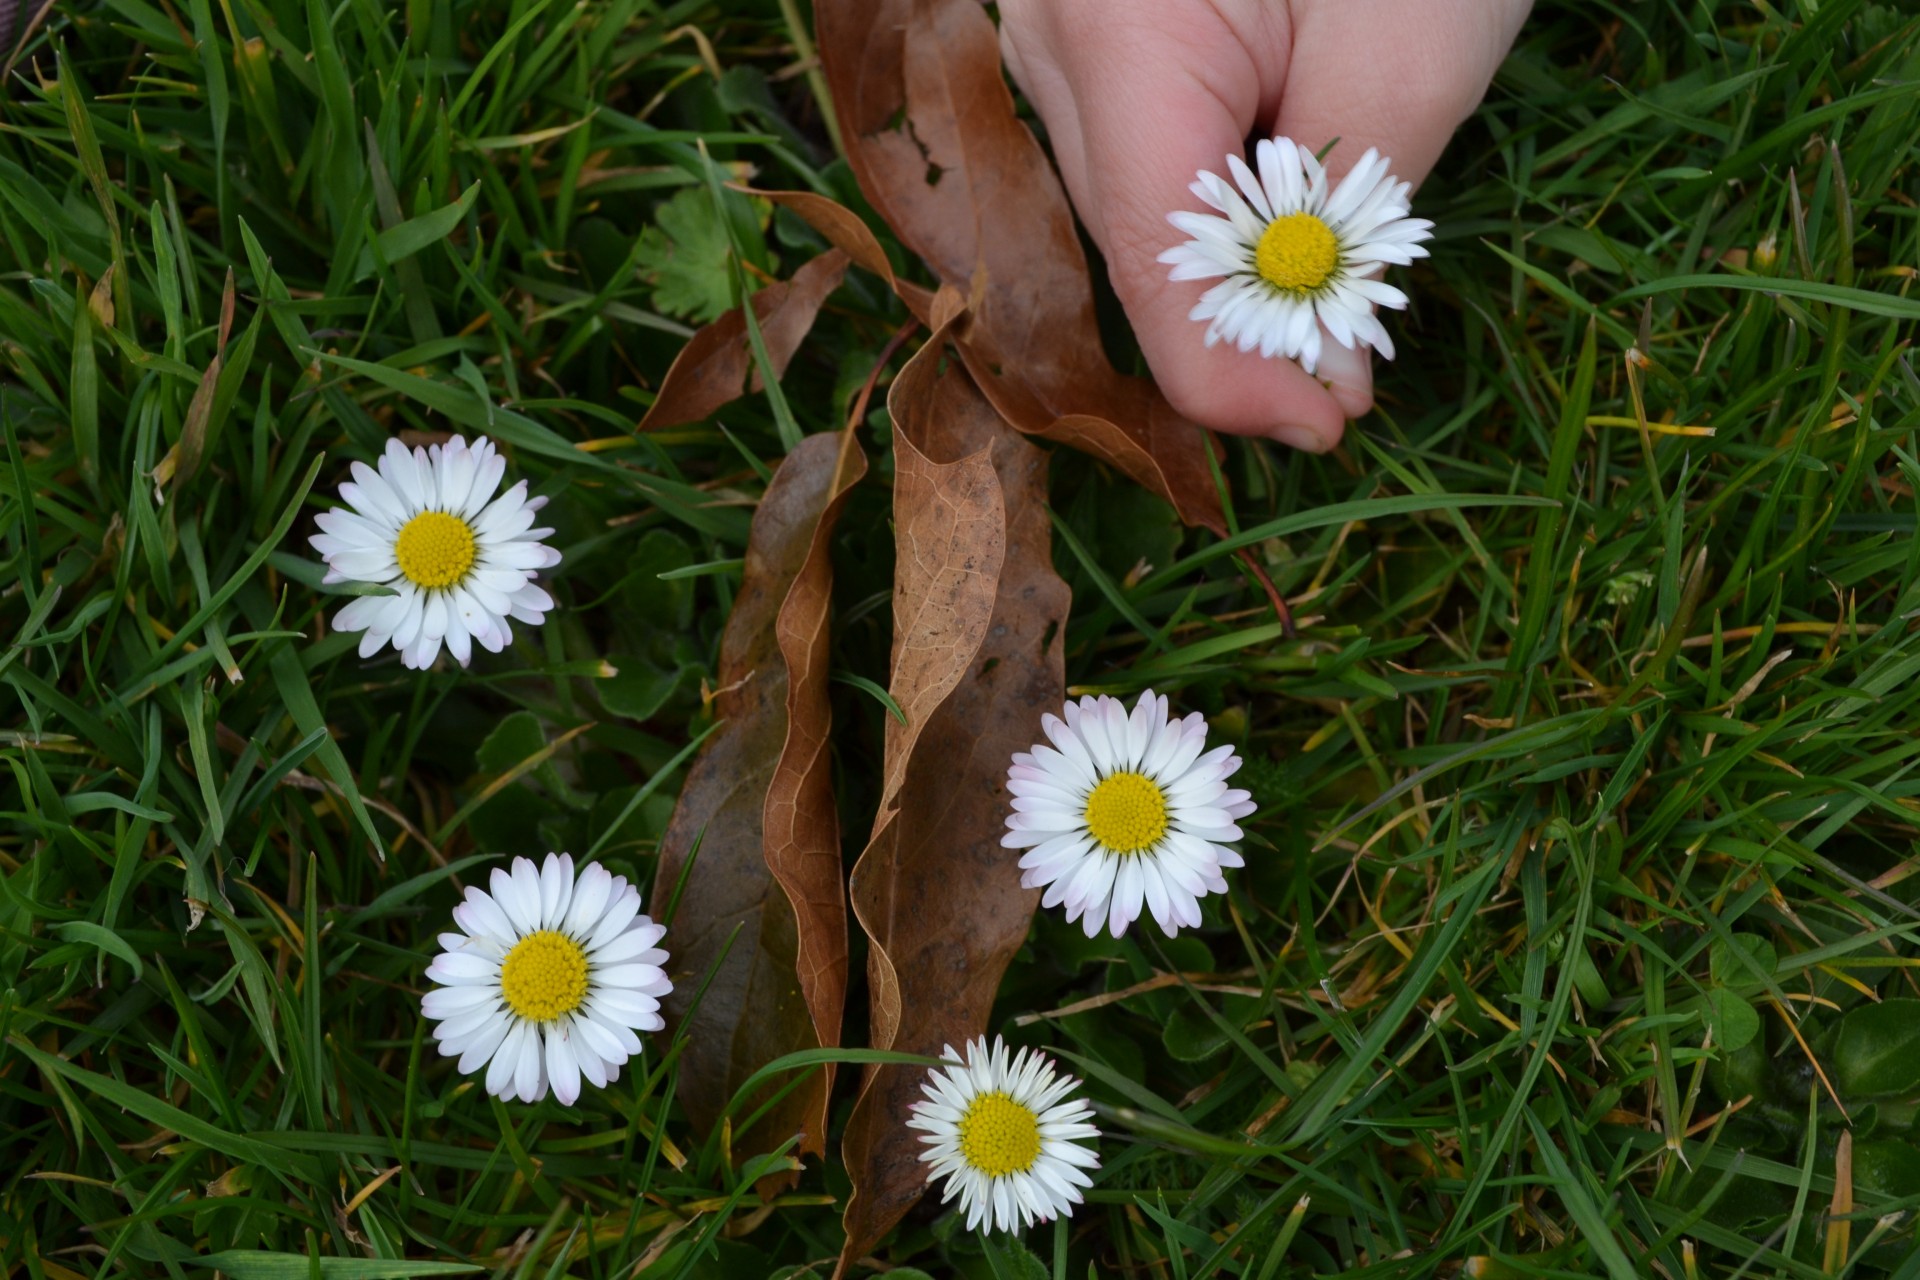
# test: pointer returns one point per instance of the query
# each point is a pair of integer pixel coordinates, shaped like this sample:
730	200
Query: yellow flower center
435	549
1127	812
1297	252
544	976
999	1136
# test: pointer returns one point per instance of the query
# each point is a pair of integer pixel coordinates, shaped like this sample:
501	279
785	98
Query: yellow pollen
1127	813
1297	252
435	549
999	1136
544	976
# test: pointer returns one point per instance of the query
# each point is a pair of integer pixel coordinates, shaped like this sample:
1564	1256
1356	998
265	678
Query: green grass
1559	800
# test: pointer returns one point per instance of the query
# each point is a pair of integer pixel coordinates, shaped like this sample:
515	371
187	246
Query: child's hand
1138	95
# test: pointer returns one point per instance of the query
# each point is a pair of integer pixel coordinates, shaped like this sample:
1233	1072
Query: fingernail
1301	438
1355	400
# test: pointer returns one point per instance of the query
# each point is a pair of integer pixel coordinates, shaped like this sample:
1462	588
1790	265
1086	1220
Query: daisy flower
1124	809
1000	1133
1294	252
548	979
459	560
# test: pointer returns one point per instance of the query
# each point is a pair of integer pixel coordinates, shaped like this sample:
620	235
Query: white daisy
1000	1134
549	978
1291	251
1125	809
460	561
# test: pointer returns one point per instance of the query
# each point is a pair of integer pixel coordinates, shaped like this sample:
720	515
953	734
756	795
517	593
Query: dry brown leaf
978	622
761	781
845	231
932	136
712	368
193	435
801	825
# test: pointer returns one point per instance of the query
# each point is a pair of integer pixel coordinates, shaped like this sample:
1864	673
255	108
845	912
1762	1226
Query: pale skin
1138	95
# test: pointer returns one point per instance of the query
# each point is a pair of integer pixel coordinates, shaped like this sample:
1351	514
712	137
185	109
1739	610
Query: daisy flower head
1004	1134
1295	253
548	979
459	560
1124	810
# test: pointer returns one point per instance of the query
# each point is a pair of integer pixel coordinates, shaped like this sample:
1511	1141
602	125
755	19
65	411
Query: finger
1026	45
1403	93
1386	74
1347	373
1136	161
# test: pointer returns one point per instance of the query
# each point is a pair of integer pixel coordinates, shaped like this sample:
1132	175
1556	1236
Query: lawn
1578	929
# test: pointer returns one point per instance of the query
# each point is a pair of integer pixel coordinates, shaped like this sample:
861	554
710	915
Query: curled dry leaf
931	133
978	621
712	369
845	231
801	826
761	781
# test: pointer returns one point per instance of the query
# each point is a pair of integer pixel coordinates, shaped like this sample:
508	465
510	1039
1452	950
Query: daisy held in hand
548	979
1005	1136
1295	254
460	561
1124	810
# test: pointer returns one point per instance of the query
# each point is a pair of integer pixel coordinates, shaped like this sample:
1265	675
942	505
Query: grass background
1577	921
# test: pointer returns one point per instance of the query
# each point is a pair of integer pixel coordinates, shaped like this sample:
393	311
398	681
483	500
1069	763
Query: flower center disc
544	976
1127	812
435	549
999	1136
1297	252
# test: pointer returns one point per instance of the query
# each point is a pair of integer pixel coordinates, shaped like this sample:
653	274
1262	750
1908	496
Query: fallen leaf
932	136
761	780
801	825
713	368
978	622
845	231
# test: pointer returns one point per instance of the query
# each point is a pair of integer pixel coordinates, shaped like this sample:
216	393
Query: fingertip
1242	393
1348	375
1305	439
1354	401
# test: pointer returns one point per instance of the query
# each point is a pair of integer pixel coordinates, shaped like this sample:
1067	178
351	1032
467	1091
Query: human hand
1139	95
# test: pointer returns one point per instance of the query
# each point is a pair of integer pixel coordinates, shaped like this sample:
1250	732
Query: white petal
358	613
590	894
484	1046
491	468
507	897
530	1072
556	889
372	494
454	475
450	1002
620	912
563	1068
1250	187
457	968
597	1042
482	917
506	1059
403	470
